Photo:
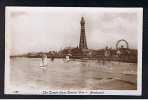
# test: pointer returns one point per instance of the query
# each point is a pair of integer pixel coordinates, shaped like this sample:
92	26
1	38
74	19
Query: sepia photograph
73	50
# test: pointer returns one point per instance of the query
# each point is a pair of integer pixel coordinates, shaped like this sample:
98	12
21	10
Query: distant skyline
41	29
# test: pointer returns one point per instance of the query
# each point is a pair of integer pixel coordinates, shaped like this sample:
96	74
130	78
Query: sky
41	29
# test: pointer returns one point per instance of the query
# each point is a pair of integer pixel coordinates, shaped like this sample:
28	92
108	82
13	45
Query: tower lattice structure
82	43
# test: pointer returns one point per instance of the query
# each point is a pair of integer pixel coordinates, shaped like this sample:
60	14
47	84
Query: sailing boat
44	62
67	58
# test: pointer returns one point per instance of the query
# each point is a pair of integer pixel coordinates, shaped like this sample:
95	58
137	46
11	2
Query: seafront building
121	53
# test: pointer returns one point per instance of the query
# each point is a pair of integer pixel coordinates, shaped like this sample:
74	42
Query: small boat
44	62
67	57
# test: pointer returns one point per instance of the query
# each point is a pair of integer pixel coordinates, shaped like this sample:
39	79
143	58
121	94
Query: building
106	54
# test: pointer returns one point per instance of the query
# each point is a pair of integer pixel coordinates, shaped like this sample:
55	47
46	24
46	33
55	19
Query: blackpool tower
82	43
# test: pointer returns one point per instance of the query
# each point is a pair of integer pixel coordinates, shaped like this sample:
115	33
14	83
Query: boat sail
67	57
44	62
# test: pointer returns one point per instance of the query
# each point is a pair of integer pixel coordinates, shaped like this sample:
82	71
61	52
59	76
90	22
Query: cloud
44	30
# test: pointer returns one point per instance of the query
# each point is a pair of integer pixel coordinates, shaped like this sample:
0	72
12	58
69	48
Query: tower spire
82	43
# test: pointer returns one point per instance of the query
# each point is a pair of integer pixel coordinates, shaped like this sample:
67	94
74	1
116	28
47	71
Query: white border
76	92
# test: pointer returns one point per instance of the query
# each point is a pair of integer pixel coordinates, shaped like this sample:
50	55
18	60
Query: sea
76	74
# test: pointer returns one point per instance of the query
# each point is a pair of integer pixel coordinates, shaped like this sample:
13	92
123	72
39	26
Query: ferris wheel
119	44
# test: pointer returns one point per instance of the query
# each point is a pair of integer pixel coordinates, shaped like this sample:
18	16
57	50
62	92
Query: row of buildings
121	53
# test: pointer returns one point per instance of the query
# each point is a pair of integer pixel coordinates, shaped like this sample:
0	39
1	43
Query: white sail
44	61
67	58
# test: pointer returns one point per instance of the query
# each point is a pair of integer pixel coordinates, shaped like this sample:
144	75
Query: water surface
75	74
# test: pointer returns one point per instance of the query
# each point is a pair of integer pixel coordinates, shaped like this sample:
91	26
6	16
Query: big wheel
121	41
